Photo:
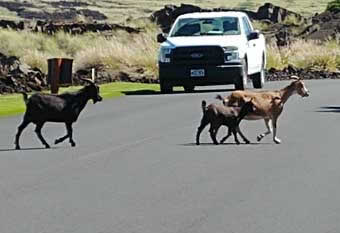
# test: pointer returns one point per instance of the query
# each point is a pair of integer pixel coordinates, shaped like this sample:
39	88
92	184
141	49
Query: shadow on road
224	144
27	149
334	109
153	92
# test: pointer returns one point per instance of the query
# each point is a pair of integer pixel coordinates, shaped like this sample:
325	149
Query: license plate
197	73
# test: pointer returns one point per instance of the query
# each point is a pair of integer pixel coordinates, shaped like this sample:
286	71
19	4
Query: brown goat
268	104
217	115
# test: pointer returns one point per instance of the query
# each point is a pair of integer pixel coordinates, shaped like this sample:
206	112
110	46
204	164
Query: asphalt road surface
136	169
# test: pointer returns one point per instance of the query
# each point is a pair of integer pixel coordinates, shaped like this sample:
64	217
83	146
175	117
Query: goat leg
269	130
276	139
199	130
242	136
213	132
70	132
226	137
21	127
235	136
38	132
203	124
61	139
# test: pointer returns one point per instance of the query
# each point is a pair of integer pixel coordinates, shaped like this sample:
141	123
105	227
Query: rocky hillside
279	25
279	22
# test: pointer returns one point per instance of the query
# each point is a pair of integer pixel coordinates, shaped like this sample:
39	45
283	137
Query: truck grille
209	55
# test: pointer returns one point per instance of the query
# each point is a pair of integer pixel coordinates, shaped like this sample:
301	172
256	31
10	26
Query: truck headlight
231	56
231	53
164	55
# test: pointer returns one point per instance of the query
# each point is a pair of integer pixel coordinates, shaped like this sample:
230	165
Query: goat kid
218	114
268	104
64	108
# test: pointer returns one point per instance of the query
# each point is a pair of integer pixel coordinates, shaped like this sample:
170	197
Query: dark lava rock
17	77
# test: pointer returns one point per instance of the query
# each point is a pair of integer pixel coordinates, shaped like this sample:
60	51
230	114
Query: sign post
59	72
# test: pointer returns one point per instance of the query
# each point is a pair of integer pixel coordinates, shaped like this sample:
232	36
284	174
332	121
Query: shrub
334	5
292	20
260	25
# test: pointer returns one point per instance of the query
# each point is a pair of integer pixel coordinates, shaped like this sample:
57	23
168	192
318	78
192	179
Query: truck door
254	54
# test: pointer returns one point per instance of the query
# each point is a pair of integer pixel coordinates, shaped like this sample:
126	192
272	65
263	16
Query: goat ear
219	97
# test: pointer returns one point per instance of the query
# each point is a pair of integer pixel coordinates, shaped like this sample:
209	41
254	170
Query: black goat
65	108
218	114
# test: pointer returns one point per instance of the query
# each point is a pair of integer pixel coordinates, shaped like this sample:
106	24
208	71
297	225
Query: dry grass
125	52
305	54
121	51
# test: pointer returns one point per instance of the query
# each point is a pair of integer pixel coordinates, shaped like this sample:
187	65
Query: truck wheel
189	88
165	88
259	78
241	80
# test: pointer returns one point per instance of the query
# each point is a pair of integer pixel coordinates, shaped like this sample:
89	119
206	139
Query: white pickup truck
211	48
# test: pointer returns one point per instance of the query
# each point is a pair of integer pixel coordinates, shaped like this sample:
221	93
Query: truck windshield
206	26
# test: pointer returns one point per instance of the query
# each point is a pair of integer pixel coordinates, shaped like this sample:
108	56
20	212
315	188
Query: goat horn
87	80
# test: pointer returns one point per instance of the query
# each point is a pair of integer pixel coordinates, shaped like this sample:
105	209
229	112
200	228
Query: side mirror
254	35
161	38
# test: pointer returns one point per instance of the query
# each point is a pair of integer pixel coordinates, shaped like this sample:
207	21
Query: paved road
136	169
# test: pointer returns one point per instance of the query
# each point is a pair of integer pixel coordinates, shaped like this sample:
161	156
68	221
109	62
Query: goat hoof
247	142
277	141
47	146
17	147
73	144
56	142
259	138
197	143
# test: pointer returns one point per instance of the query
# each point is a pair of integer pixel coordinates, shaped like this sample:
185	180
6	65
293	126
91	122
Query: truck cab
211	48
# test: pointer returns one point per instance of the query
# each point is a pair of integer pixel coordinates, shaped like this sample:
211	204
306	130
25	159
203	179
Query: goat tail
204	106
25	96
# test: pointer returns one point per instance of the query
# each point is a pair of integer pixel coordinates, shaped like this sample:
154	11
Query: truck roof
213	14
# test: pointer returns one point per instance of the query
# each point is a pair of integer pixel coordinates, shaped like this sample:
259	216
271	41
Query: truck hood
232	40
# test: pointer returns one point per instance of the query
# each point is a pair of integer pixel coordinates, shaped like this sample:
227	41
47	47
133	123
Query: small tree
334	6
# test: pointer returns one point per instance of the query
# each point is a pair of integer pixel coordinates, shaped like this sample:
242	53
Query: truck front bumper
182	75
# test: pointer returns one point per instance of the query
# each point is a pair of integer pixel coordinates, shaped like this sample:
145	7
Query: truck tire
241	80
165	88
258	79
189	88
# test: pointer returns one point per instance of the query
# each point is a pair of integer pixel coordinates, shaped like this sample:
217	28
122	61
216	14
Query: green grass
13	104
